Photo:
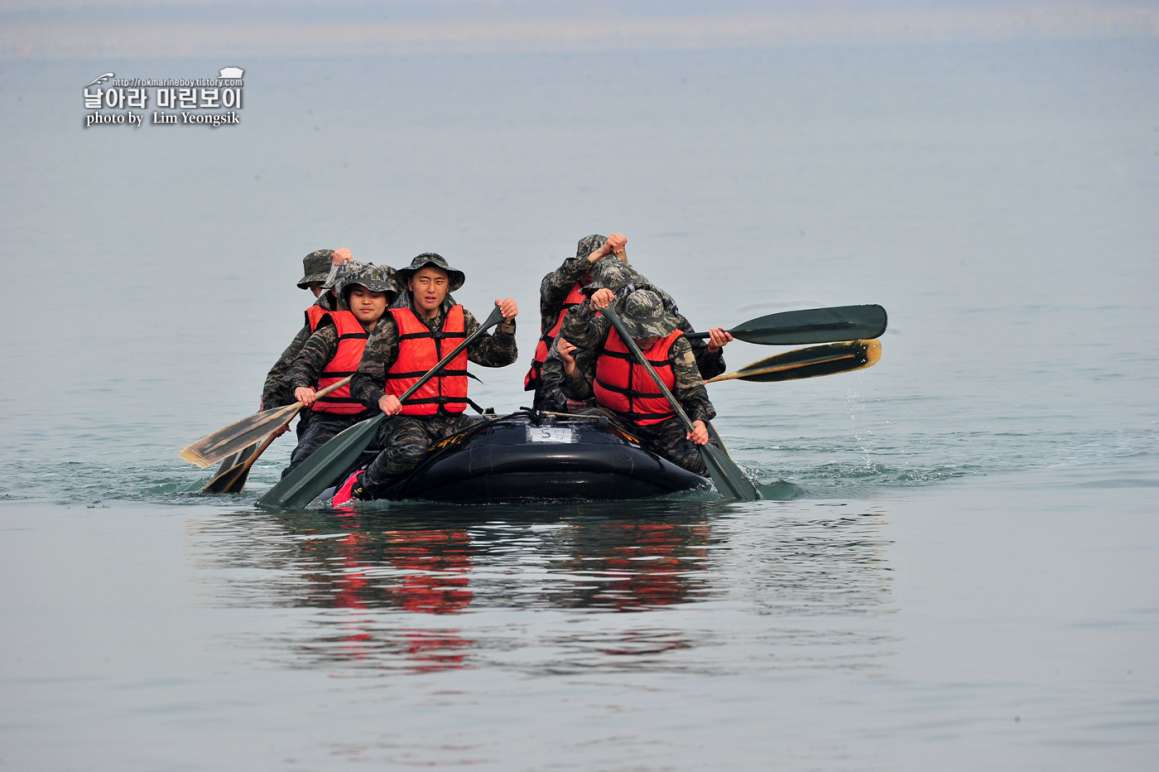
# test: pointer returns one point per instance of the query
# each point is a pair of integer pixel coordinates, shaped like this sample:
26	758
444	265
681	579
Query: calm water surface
955	565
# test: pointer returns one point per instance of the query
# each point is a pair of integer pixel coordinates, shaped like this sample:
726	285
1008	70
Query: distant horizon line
152	39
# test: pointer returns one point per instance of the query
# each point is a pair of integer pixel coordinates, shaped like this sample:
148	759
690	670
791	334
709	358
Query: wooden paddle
231	477
809	362
726	475
316	473
239	435
814	325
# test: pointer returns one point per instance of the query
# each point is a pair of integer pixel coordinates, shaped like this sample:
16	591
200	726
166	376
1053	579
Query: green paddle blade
319	471
737	482
815	325
728	478
809	362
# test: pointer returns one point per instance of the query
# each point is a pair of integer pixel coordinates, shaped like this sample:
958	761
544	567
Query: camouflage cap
455	278
376	278
315	268
589	244
611	273
644	315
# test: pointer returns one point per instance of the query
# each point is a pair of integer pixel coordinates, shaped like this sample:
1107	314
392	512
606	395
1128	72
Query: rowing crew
373	332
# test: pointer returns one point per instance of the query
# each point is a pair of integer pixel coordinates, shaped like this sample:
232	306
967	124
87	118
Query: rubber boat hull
535	456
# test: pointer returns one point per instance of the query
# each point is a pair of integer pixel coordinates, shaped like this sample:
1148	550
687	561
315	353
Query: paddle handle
614	318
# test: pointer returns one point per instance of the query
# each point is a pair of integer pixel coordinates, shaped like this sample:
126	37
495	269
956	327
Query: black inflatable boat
533	455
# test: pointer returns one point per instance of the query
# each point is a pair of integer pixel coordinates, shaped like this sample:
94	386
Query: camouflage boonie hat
315	267
455	278
611	273
589	244
376	278
644	315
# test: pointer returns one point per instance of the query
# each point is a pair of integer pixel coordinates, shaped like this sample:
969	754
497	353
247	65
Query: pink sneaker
345	493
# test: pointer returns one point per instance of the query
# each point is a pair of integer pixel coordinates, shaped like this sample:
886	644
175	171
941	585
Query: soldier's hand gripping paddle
316	473
729	480
809	362
814	325
239	435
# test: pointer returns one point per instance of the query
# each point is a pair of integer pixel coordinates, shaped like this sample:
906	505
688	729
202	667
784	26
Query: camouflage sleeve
551	386
379	354
276	390
710	362
557	387
554	288
689	388
584	326
320	348
496	349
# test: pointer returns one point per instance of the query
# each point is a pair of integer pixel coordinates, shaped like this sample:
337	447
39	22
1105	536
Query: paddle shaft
725	474
614	318
323	392
495	317
834	326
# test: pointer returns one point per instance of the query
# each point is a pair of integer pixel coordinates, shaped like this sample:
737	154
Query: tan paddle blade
238	436
809	362
235	469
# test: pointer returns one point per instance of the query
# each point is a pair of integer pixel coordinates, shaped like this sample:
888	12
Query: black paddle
726	475
809	362
814	325
316	473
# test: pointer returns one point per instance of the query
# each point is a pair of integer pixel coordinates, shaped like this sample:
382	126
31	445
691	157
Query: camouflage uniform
584	325
554	289
555	285
406	439
277	390
586	328
321	347
667	438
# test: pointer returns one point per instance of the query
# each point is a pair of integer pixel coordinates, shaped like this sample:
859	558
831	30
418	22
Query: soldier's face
428	287
315	287
367	306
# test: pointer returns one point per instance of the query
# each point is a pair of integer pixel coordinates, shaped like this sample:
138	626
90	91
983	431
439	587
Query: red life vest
420	349
625	387
575	297
351	342
314	315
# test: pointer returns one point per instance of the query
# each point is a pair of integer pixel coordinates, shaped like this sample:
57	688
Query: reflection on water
547	588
